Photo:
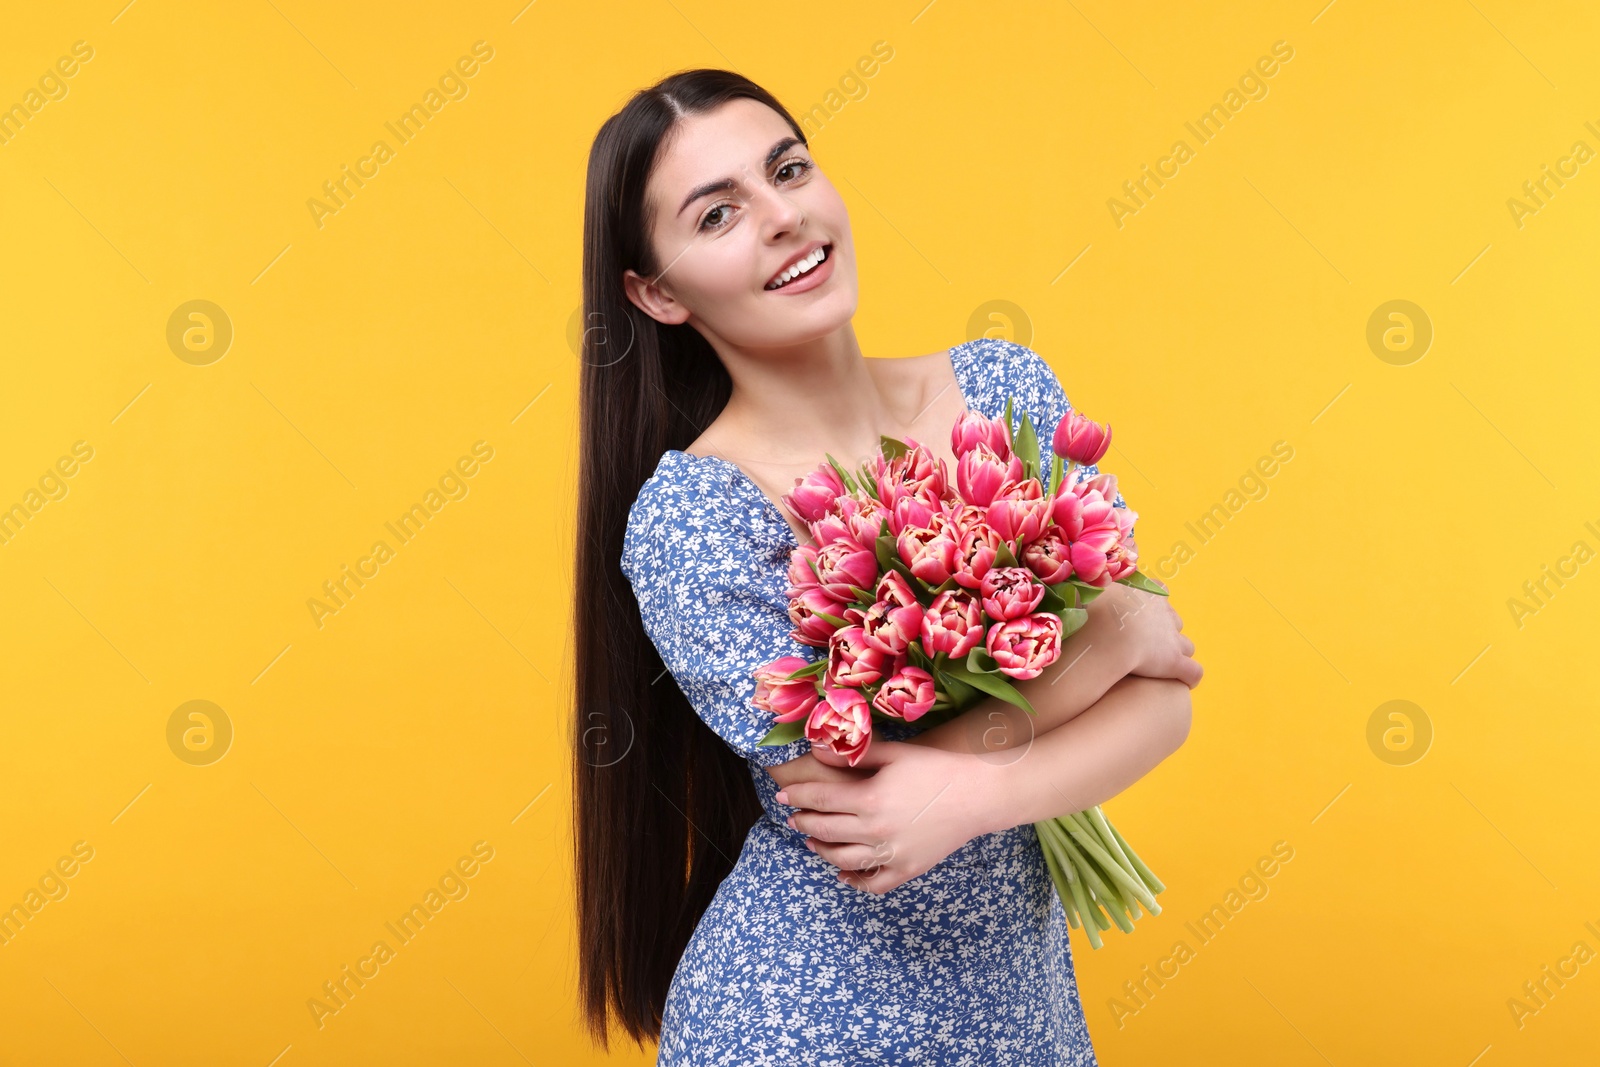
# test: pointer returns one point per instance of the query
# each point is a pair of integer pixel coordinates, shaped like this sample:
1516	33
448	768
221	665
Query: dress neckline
959	365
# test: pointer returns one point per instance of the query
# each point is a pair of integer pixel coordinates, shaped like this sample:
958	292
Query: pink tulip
856	523
928	554
973	428
959	516
854	661
1101	568
910	511
841	722
816	495
982	473
864	518
1081	439
1105	484
1010	593
1023	648
953	624
1094	528
801	576
1084	514
915	473
806	611
1019	512
894	589
908	695
890	628
976	552
1048	558
789	699
844	564
1126	517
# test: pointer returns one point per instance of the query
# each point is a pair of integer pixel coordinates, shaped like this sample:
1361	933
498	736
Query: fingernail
790	822
812	845
782	797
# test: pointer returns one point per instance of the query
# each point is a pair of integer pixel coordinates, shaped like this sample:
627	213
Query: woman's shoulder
667	509
684	517
993	368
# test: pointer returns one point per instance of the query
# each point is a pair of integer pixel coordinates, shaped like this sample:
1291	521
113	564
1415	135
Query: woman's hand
809	768
1147	630
916	806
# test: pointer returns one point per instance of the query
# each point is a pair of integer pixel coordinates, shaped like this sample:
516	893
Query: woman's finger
828	826
808	768
822	796
853	856
1187	646
878	882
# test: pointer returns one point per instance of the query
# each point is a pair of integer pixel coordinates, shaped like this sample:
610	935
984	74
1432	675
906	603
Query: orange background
1439	860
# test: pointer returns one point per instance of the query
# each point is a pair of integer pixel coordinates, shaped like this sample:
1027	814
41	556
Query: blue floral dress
968	963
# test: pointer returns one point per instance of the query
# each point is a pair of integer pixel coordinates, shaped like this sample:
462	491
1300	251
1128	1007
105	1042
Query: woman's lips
810	279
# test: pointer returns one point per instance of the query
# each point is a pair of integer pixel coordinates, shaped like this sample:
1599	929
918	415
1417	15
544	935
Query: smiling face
735	199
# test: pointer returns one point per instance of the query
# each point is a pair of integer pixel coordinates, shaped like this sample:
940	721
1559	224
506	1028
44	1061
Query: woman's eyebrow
725	184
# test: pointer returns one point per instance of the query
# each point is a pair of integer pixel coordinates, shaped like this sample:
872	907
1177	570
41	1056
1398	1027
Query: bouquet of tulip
929	597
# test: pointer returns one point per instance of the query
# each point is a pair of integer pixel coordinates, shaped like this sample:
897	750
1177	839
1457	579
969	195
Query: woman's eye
802	165
798	165
705	223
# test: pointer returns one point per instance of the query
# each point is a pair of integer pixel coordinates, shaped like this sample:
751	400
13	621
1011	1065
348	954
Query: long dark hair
661	803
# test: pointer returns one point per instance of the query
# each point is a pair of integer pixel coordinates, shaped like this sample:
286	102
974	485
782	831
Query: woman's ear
653	299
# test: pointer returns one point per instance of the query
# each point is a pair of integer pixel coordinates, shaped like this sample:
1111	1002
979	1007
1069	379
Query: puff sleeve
713	614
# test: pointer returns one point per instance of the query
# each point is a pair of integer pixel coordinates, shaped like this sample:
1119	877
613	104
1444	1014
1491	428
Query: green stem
1108	896
1155	884
1091	915
1093	922
1115	871
1079	824
1058	878
1109	839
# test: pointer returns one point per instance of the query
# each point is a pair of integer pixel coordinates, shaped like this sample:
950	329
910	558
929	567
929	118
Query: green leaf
844	475
1086	592
1072	620
831	620
885	548
816	667
1056	602
864	595
1057	473
918	586
1004	557
994	684
784	732
980	662
869	482
1027	447
1140	580
961	694
892	448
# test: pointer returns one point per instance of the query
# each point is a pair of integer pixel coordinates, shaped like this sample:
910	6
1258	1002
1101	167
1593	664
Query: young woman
829	922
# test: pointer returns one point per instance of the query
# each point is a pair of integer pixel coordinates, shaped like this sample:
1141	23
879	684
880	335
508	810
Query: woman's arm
1128	632
1089	760
1068	687
872	829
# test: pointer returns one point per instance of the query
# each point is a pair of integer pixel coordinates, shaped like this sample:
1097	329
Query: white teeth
799	268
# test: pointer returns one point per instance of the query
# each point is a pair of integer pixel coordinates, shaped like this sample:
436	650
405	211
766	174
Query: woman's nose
780	213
